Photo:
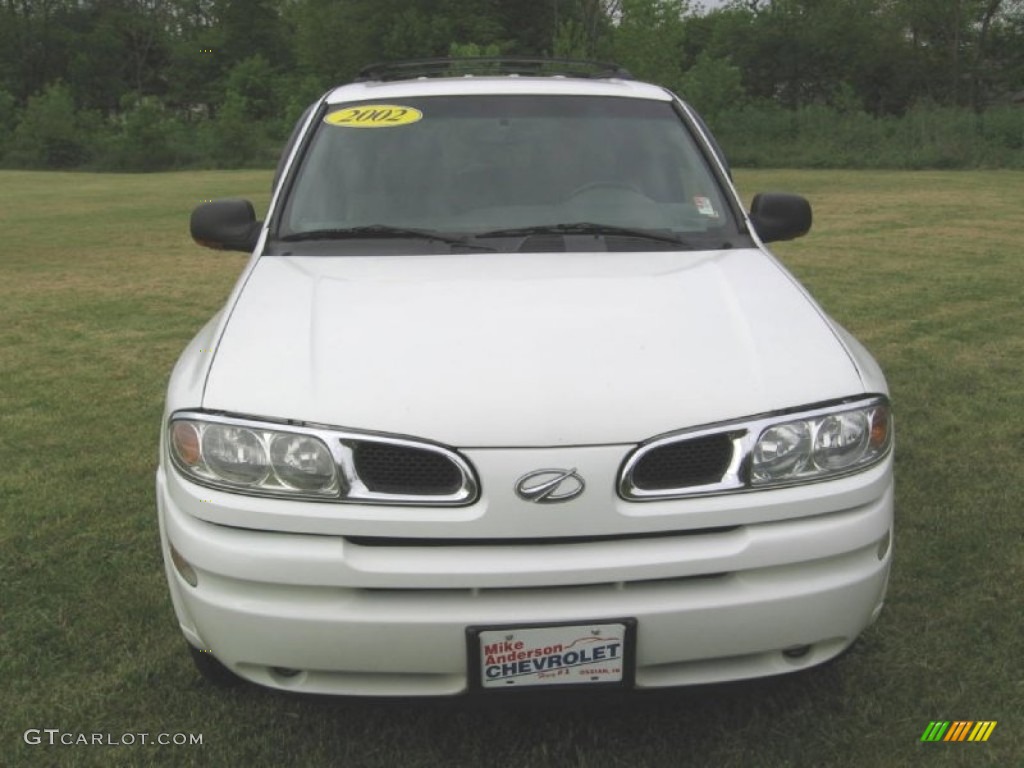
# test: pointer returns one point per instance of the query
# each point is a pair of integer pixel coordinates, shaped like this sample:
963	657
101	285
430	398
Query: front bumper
322	614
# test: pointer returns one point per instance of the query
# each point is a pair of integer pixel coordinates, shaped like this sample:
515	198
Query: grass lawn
101	288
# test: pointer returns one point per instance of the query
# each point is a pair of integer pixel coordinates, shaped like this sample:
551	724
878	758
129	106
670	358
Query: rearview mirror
779	216
226	224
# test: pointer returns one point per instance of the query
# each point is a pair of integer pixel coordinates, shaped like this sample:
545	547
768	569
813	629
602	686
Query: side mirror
228	225
778	216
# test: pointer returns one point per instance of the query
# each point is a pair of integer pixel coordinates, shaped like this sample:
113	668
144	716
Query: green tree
254	28
253	81
97	72
713	86
959	46
8	120
34	49
196	65
472	50
143	137
477	20
51	134
649	39
571	41
333	38
1006	52
798	52
528	25
413	34
235	140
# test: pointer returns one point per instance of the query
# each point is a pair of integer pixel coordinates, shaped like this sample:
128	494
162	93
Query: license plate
598	654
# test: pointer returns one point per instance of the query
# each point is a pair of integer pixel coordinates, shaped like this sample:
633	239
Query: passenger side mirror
779	216
226	224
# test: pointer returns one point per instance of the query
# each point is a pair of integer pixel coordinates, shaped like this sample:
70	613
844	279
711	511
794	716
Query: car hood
482	350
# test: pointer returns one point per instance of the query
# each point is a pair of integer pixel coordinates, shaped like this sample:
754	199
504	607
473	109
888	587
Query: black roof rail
412	69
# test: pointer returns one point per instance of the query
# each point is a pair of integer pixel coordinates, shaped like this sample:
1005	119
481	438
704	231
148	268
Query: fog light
188	573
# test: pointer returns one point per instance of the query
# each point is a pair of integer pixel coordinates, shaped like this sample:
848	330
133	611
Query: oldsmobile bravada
512	394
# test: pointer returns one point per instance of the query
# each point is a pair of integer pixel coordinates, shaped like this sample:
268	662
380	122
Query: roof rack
489	65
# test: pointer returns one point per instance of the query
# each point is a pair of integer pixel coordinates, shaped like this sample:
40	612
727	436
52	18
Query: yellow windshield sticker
374	116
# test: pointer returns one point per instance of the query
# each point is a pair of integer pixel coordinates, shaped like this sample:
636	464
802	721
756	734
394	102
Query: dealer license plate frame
478	636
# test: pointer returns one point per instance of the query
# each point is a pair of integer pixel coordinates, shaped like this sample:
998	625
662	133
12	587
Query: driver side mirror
228	225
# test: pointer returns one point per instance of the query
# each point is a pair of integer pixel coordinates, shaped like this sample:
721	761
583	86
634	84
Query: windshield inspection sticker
561	655
374	116
704	207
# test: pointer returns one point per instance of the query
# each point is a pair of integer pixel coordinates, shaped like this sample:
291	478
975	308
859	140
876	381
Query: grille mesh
387	468
683	464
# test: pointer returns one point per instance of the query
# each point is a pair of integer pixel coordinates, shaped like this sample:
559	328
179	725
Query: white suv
511	394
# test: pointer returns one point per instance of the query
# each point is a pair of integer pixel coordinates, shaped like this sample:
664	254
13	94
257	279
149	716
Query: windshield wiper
586	228
381	231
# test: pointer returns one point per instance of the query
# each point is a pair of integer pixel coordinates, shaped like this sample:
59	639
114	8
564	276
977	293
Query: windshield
492	166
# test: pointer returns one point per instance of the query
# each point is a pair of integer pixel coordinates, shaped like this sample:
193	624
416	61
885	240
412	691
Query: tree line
158	84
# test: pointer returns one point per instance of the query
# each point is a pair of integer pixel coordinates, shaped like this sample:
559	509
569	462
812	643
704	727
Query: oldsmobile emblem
550	486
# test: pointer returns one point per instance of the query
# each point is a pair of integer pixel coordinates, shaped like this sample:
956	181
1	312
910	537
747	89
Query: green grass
100	289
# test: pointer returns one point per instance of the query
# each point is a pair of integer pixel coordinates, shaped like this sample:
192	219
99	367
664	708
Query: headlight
247	456
760	452
236	457
783	449
821	445
235	454
302	462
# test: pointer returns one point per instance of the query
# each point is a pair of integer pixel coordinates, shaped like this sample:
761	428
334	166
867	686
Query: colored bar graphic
958	730
935	730
982	730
